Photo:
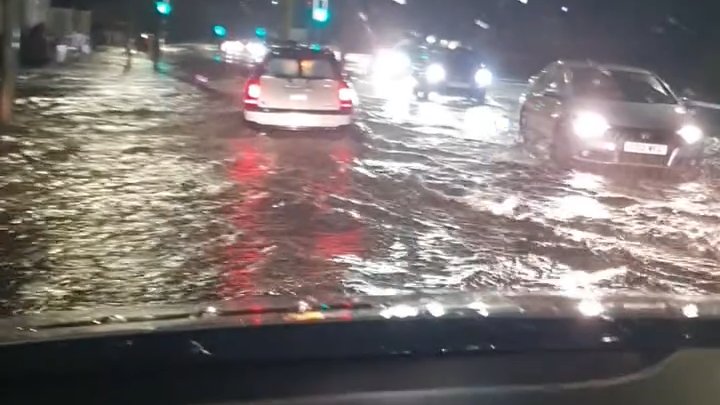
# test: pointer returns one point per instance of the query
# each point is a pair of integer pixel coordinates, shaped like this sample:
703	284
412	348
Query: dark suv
453	72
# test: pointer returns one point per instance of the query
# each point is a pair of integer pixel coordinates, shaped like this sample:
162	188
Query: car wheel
560	151
691	174
480	97
522	126
691	171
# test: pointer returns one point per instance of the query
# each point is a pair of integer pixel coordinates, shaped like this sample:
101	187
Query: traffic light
320	10
260	32
163	7
219	31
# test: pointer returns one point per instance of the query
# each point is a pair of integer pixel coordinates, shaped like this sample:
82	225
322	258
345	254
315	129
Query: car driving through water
297	87
243	51
609	114
427	70
452	72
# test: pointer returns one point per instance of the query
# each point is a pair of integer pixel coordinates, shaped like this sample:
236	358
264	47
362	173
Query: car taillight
252	94
345	95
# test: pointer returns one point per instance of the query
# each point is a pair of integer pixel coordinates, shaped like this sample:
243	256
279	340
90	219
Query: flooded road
128	189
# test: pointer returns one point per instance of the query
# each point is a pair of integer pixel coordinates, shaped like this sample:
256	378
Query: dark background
678	38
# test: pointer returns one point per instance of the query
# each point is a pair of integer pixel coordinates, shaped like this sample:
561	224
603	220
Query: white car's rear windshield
301	67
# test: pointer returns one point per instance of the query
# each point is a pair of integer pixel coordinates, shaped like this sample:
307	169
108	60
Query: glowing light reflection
485	122
435	309
480	308
399	311
578	206
590	308
691	311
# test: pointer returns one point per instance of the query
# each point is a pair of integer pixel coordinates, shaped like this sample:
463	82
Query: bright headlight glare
256	50
690	133
232	46
390	62
435	73
483	77
590	125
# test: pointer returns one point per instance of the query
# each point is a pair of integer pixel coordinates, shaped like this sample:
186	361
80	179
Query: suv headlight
589	125
690	133
435	73
483	77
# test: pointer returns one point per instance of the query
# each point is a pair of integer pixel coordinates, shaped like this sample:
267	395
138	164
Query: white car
298	88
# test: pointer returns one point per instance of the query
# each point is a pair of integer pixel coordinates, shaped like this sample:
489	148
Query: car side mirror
552	94
689	105
687	94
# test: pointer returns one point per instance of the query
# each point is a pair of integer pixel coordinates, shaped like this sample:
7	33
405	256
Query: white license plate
298	97
646	148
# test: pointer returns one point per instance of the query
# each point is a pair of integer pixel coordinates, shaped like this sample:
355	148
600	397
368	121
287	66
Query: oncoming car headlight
256	50
690	133
589	125
390	62
483	77
435	73
232	46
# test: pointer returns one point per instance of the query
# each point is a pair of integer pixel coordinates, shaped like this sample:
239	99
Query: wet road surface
138	188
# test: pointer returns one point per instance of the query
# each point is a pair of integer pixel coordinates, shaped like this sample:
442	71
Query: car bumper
609	152
298	119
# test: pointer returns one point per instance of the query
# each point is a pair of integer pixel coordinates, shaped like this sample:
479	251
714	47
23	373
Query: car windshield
166	153
620	85
461	58
305	67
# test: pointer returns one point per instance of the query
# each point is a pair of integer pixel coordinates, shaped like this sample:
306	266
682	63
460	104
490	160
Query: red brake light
252	93
345	96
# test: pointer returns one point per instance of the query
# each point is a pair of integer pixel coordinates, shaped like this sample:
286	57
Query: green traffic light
163	7
320	14
260	32
219	30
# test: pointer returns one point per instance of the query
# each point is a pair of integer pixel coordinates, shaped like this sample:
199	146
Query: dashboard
358	363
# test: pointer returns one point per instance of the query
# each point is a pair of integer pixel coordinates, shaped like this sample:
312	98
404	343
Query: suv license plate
646	148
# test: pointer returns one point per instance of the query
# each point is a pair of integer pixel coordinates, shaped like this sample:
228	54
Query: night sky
675	37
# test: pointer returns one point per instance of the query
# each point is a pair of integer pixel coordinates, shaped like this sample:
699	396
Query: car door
544	103
550	102
531	108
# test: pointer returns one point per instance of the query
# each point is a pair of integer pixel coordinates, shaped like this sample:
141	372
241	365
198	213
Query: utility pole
7	84
289	18
163	10
320	16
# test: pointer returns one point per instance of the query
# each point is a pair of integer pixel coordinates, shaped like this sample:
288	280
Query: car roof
603	66
300	52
